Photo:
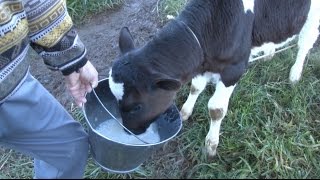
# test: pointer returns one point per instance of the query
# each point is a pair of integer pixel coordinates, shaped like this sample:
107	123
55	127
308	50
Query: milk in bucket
114	131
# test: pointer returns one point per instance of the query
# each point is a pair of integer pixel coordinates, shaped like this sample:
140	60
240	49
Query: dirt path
100	35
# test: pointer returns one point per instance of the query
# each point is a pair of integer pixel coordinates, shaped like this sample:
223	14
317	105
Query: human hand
79	83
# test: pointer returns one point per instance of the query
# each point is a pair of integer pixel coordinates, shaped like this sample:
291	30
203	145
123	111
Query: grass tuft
81	10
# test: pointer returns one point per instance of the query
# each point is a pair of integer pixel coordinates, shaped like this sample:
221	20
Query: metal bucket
118	157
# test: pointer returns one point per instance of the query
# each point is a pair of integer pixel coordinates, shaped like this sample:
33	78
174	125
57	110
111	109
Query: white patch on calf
117	89
268	49
221	96
248	5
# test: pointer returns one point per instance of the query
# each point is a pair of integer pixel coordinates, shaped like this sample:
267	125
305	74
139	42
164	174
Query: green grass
271	129
81	10
169	8
14	165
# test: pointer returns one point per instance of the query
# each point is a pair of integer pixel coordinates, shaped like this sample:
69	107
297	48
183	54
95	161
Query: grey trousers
33	122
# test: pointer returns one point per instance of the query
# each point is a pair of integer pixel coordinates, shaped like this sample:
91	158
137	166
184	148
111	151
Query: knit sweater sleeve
53	35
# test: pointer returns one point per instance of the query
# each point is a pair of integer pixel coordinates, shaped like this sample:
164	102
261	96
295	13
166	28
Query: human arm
55	38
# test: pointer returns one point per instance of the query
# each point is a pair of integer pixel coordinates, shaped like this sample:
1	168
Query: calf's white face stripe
248	5
117	89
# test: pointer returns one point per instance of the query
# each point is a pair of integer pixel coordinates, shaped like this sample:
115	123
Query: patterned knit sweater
43	25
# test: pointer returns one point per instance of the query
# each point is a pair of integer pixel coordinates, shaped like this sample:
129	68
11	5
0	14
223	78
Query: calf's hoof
185	114
295	74
211	148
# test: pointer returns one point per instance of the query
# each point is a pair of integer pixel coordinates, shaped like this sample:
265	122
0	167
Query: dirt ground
100	35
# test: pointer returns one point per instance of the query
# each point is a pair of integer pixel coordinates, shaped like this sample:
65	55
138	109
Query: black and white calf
210	41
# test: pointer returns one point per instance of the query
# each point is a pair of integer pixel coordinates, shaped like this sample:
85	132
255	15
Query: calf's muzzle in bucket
119	157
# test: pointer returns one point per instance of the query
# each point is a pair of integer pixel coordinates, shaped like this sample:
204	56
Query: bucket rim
128	144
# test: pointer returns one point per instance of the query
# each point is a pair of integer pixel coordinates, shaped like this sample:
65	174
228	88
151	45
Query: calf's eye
136	109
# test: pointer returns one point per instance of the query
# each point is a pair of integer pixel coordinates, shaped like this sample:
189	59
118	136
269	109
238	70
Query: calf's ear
168	84
125	40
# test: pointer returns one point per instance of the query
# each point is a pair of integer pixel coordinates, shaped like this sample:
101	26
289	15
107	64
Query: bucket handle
115	117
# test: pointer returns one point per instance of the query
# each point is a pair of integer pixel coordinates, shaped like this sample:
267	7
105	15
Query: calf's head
142	91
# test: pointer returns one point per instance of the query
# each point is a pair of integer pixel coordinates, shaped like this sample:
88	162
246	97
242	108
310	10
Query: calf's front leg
217	106
198	84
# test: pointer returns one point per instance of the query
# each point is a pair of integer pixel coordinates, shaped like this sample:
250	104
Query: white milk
114	131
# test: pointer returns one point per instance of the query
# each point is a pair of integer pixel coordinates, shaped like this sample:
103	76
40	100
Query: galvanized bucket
118	157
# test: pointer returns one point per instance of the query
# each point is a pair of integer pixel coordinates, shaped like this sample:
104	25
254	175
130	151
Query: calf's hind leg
307	38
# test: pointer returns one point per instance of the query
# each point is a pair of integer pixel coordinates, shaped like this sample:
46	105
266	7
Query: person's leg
33	122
